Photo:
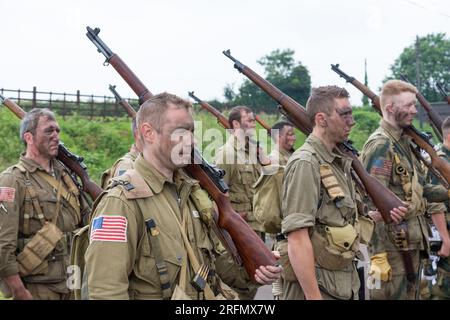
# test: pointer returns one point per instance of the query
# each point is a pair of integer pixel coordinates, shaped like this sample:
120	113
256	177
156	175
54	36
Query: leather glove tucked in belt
380	267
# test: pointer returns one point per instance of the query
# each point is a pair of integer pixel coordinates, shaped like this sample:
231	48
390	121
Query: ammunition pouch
330	183
336	249
35	256
399	235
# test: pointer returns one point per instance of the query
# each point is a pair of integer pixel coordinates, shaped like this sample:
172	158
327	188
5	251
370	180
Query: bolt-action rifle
383	198
438	166
70	160
249	245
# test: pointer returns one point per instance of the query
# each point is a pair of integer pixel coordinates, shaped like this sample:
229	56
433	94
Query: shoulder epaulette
132	184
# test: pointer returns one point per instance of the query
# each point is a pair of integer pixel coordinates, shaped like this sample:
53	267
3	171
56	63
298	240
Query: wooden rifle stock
264	125
250	247
384	199
435	119
442	166
124	103
73	162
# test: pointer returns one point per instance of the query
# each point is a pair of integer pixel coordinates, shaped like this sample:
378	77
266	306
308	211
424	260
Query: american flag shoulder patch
7	194
381	167
109	228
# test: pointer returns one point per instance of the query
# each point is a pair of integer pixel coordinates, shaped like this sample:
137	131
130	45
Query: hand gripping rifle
383	198
439	166
249	245
435	119
71	161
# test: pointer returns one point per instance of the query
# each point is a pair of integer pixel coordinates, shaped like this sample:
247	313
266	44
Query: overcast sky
176	45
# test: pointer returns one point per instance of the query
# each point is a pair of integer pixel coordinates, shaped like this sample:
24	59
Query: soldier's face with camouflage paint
341	121
46	139
287	138
247	123
403	109
177	138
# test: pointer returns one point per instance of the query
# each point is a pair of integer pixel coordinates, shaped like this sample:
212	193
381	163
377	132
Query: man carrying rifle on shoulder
40	207
239	158
389	156
321	217
441	288
150	234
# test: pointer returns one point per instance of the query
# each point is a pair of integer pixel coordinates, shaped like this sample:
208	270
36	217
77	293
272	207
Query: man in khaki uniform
124	163
238	157
150	235
319	206
441	289
35	195
284	143
387	155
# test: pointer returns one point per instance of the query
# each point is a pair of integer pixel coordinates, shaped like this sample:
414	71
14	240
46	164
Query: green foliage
367	121
102	141
283	72
434	52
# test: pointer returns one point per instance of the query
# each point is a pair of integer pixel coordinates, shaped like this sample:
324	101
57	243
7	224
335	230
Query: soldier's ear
320	120
28	138
147	132
389	107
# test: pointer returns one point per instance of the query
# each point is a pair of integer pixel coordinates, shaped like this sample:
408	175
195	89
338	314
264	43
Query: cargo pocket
146	268
338	284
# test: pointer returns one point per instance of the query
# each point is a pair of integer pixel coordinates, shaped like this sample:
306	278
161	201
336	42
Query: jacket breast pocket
155	265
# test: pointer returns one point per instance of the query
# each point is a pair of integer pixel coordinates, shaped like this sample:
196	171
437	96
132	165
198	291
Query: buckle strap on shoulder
31	201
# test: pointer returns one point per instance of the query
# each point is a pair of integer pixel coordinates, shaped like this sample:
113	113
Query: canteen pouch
334	251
